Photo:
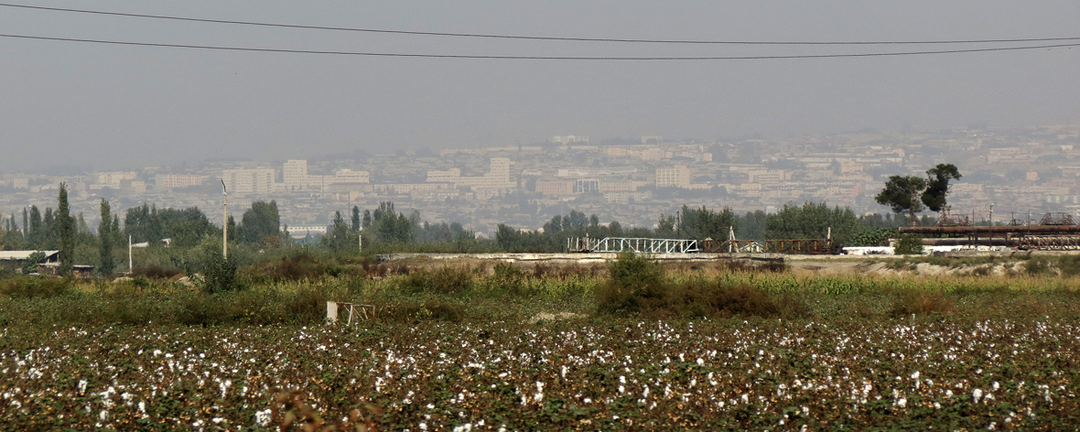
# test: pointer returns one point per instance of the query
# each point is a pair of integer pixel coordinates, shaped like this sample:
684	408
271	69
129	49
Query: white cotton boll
262	418
996	386
977	394
902	403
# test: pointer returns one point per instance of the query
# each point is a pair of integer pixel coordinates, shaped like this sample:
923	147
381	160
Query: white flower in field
622	379
915	375
996	386
563	371
693	382
902	403
103	415
82	386
423	426
262	418
937	405
217	420
977	394
645	394
588	400
948	393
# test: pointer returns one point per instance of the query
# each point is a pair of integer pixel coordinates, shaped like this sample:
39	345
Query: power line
517	57
538	38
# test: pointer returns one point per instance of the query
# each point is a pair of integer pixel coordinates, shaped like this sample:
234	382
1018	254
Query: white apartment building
677	176
249	180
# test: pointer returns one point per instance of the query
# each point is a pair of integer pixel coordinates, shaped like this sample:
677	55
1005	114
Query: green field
482	346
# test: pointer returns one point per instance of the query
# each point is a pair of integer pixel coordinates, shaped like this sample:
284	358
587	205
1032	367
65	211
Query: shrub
1037	266
34	287
508	279
1069	265
220	275
155	271
633	280
447	281
918	302
908	244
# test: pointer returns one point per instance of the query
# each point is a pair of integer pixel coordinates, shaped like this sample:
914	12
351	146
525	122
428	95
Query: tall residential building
249	180
173	181
294	174
677	176
498	176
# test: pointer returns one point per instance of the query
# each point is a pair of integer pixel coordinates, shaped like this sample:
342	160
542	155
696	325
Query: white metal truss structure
636	245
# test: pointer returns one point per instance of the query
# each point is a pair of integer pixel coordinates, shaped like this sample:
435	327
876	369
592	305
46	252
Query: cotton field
573	375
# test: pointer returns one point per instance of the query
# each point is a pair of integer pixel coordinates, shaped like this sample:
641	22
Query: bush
1069	265
908	244
155	271
633	281
1037	266
34	287
917	302
220	275
446	281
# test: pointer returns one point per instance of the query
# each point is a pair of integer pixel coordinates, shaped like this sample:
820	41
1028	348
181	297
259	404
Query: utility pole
130	262
991	214
224	222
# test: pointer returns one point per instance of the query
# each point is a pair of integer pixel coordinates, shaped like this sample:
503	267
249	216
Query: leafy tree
186	227
66	231
106	239
31	263
937	185
261	224
704	223
811	221
337	236
752	225
356	218
389	226
901	194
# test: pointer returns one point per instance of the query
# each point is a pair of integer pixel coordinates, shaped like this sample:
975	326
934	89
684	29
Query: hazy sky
64	103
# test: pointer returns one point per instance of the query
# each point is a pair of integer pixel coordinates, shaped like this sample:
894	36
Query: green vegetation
908	244
910	193
627	345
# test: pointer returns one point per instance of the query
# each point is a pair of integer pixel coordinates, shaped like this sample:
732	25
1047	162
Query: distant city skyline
106	106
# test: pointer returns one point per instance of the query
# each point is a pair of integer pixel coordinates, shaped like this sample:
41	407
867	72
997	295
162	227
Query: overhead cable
539	38
524	57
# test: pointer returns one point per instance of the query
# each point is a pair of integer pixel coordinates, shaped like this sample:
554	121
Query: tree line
385	229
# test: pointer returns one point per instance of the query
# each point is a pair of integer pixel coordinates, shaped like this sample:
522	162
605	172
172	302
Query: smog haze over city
113	107
773	104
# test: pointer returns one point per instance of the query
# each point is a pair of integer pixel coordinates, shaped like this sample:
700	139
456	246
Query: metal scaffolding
636	245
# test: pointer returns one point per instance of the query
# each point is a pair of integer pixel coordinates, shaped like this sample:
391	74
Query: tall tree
106	239
66	231
901	194
355	218
937	185
261	224
811	221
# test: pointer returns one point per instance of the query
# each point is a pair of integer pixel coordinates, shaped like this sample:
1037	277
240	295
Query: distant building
498	177
294	174
678	176
569	139
174	181
249	180
555	187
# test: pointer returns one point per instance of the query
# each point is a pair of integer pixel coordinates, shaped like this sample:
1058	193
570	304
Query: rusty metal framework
657	246
632	244
792	246
1061	243
1057	219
